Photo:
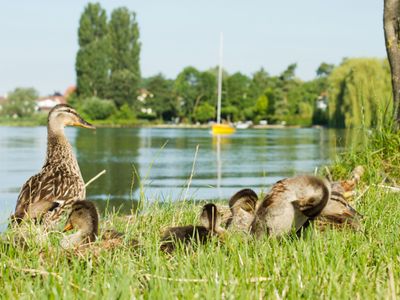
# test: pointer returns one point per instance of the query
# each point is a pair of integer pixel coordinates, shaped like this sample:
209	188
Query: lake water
158	163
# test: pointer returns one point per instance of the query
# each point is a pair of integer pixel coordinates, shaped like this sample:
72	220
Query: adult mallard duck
60	181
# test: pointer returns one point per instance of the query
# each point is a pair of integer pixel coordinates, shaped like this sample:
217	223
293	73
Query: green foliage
92	24
230	113
261	107
125	112
124	38
107	62
324	69
98	109
360	93
236	88
204	112
124	58
192	87
92	64
162	99
92	69
21	102
122	88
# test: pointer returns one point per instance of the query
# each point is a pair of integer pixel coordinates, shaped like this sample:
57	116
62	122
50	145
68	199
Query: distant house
143	95
47	103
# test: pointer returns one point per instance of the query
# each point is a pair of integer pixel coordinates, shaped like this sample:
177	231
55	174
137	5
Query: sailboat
219	128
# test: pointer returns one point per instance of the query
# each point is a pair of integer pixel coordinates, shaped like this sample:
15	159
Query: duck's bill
82	123
68	227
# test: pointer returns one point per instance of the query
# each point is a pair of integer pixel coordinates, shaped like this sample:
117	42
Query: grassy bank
330	264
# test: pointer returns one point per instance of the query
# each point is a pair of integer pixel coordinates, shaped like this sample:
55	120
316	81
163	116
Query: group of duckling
288	207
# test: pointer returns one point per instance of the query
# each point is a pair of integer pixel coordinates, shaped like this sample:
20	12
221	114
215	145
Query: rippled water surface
158	162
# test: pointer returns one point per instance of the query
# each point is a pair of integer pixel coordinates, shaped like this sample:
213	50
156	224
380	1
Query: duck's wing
48	188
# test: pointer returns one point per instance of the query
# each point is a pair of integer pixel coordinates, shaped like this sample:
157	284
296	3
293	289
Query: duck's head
85	219
338	210
210	218
63	115
245	200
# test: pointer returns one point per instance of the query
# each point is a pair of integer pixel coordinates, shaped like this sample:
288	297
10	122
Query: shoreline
168	126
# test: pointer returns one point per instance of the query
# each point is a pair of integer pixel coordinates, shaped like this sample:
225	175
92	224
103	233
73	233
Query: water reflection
163	161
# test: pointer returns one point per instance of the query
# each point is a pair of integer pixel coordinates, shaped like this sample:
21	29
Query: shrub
98	109
21	102
204	112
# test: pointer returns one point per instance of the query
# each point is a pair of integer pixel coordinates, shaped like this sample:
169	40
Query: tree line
110	88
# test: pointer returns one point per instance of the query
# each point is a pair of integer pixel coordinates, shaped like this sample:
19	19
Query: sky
38	39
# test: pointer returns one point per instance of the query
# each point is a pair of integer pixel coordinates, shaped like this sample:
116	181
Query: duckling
289	204
338	211
210	220
243	207
85	218
60	180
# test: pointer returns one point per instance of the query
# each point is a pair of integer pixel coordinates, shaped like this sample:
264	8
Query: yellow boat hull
222	129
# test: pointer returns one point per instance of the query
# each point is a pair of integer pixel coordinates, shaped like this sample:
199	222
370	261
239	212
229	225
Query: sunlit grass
322	264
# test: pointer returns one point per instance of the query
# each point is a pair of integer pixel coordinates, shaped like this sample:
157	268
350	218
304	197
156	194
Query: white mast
220	80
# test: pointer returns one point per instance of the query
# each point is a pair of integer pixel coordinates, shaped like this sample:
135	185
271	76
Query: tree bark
391	24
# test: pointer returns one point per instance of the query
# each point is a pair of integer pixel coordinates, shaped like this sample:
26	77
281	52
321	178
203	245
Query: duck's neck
59	150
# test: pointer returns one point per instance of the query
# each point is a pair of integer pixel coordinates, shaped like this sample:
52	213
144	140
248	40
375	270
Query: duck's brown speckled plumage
289	204
242	207
59	183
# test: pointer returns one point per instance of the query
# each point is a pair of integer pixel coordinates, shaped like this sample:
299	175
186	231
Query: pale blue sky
38	39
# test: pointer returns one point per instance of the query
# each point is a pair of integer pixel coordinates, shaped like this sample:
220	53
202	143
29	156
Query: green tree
124	57
92	64
192	88
162	100
122	88
324	69
360	93
21	102
204	112
261	107
236	88
259	83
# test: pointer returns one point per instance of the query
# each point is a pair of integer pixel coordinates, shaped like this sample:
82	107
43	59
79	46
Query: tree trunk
391	24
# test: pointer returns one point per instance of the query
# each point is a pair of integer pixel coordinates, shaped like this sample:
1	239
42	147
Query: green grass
338	264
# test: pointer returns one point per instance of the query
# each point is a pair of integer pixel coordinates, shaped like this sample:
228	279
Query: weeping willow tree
360	93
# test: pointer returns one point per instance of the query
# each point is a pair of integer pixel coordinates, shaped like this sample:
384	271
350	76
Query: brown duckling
211	226
85	218
60	179
243	207
289	204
